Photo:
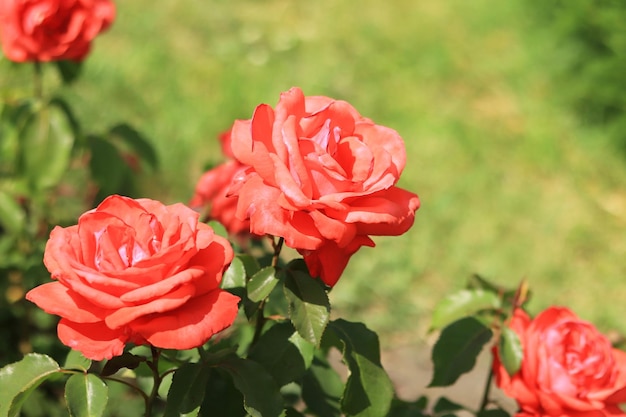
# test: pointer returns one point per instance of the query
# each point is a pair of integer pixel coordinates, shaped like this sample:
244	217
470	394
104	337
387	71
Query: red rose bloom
136	271
52	30
212	192
322	177
568	368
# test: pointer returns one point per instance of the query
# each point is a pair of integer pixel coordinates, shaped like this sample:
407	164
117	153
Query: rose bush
136	271
52	30
568	367
322	177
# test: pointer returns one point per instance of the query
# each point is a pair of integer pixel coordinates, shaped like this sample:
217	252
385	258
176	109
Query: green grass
511	185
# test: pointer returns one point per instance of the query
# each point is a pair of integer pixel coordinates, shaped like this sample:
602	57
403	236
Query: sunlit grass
511	186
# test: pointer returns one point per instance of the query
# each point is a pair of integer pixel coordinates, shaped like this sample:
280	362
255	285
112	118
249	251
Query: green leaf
137	142
261	395
86	395
461	304
262	283
283	352
445	405
76	361
48	139
493	413
187	390
18	380
400	408
322	388
235	275
456	350
309	307
108	168
12	217
510	351
221	398
250	264
368	391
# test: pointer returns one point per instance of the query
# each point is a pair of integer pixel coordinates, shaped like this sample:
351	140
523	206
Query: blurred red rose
322	177
212	193
136	271
52	30
568	368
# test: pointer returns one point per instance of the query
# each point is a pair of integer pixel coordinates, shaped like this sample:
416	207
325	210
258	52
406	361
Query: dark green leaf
108	168
18	380
368	391
137	142
277	304
262	283
187	390
283	352
125	360
309	308
86	395
493	413
510	351
461	304
69	70
445	405
400	408
250	264
456	350
221	398
322	388
261	395
76	361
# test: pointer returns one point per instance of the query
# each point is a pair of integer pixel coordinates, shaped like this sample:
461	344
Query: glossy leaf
283	353
76	361
322	388
187	390
456	350
235	275
461	304
18	380
510	351
250	264
262	283
86	395
125	360
309	307
261	395
368	391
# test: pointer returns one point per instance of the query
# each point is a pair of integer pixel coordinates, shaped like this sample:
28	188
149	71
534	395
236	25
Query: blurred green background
517	178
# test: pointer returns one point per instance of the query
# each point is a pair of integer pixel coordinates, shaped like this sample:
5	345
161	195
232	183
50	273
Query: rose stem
154	366
260	319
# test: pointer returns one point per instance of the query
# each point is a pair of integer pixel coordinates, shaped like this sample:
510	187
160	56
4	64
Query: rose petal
94	340
55	298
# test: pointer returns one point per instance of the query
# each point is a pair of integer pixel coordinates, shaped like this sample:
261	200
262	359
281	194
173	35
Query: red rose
212	192
568	368
136	271
322	177
52	30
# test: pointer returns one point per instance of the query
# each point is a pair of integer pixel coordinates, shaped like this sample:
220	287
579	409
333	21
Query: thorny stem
260	318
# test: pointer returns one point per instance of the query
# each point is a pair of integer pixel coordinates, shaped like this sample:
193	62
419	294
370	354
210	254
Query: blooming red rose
212	192
136	271
52	30
322	177
568	368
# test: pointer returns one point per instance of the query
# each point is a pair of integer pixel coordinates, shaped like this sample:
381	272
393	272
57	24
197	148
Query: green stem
154	366
485	400
38	80
260	318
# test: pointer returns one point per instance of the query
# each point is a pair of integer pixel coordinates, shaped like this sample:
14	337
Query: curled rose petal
322	177
130	266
